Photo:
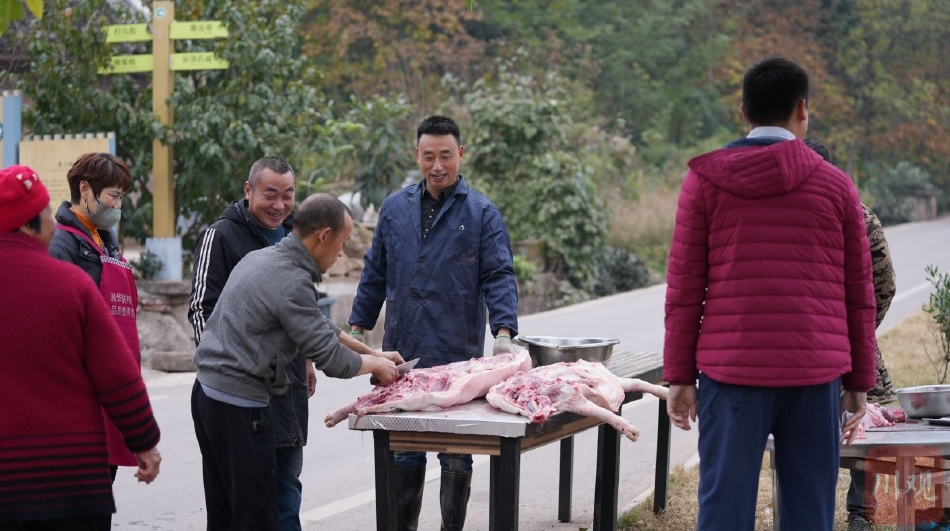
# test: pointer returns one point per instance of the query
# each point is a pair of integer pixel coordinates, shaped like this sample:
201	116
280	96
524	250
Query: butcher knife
402	368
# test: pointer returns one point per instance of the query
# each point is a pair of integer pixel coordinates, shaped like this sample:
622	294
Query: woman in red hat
58	378
84	236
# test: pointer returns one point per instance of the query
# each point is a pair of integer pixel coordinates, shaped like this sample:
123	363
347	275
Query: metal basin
545	350
931	401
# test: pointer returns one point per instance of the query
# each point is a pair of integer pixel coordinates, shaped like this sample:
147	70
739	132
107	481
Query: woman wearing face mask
83	236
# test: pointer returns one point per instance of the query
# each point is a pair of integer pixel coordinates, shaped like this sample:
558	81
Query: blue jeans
448	461
289	489
734	425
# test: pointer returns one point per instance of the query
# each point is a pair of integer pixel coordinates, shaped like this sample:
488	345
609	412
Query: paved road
338	469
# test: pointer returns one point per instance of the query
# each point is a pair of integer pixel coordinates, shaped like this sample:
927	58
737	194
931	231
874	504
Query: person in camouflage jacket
885	285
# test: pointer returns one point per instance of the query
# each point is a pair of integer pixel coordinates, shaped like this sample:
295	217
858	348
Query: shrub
938	307
896	189
619	271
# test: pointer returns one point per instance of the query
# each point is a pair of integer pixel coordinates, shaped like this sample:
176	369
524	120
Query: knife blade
405	367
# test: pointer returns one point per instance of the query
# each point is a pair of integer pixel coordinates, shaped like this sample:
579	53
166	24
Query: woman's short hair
100	170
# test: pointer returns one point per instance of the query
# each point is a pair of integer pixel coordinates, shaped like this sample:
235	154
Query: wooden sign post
162	62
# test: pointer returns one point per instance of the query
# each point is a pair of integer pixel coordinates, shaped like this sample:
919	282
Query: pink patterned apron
117	286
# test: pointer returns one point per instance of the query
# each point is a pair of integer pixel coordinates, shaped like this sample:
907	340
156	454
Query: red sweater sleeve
859	298
687	271
116	377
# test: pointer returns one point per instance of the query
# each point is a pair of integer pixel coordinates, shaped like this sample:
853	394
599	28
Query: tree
224	120
522	159
367	47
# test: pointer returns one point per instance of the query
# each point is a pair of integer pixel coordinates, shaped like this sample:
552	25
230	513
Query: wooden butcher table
893	451
478	428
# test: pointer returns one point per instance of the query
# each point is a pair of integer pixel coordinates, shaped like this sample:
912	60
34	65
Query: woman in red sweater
58	377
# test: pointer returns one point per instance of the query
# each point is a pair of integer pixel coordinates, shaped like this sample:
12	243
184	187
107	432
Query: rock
161	332
173	362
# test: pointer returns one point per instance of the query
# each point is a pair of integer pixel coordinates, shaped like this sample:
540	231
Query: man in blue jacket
440	256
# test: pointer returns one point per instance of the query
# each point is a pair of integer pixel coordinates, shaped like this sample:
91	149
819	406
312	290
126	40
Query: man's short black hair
771	89
318	212
819	148
274	164
439	126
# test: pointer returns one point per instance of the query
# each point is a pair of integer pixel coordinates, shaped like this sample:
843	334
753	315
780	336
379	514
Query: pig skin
582	387
436	387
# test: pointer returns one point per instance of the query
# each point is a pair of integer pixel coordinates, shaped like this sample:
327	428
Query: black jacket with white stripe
219	249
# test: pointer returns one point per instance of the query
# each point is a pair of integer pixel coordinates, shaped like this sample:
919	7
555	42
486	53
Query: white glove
503	345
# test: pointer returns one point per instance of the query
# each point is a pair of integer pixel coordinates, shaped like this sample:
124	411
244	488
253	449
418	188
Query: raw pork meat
436	387
879	417
582	387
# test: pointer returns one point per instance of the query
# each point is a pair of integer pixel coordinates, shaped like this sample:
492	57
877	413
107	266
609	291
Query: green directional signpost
162	62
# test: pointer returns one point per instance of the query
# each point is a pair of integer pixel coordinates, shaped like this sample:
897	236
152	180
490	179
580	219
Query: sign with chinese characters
197	61
129	64
51	156
128	33
206	29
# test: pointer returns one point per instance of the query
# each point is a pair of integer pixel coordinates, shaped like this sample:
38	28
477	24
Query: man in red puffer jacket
770	304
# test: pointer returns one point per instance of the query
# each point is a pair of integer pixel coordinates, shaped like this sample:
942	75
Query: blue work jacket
436	289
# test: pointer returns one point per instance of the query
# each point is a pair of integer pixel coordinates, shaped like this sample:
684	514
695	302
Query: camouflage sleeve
884	288
884	278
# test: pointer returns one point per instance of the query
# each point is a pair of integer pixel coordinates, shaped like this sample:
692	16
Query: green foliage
619	271
11	10
65	49
381	149
224	119
525	270
896	189
522	159
148	264
227	119
938	307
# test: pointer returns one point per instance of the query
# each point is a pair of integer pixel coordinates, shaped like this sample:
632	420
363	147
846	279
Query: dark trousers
238	464
289	488
734	425
72	523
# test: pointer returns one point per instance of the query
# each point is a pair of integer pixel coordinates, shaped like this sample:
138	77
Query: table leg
661	485
566	483
504	486
776	498
608	479
906	468
385	496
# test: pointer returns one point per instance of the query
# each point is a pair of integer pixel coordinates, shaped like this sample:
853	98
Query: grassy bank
905	353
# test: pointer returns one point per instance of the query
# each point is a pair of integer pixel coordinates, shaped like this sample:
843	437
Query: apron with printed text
117	286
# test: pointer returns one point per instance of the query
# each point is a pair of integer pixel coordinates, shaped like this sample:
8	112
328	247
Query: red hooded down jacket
769	276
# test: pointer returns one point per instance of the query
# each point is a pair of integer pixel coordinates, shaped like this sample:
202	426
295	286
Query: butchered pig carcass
581	387
436	387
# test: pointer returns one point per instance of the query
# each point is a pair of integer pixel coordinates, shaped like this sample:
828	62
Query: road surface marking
369	496
912	291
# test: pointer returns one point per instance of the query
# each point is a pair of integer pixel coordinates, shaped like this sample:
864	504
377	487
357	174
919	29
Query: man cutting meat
439	257
267	312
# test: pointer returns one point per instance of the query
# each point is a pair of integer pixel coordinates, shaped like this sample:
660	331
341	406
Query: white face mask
104	218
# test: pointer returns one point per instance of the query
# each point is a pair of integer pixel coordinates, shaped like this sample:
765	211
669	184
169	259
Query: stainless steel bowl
545	350
931	401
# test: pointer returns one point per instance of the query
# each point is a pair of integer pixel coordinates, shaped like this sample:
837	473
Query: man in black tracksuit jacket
263	218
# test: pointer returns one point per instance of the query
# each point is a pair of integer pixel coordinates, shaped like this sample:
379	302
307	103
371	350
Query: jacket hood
758	171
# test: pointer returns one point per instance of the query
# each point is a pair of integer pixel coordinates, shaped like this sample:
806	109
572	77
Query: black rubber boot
409	482
456	488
